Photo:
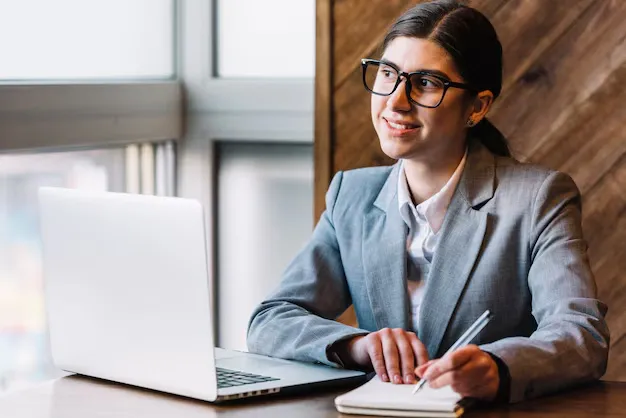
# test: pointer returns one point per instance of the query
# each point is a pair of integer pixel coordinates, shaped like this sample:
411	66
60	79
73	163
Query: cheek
377	106
455	109
431	120
443	119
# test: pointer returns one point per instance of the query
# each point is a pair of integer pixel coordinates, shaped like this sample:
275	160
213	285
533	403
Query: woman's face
408	131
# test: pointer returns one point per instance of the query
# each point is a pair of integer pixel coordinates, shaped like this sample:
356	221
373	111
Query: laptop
128	299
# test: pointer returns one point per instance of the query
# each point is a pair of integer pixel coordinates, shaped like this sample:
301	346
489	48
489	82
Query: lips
400	125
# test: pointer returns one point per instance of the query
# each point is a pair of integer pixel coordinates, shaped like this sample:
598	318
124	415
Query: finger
477	371
407	357
390	351
459	378
479	377
422	369
419	349
375	352
451	361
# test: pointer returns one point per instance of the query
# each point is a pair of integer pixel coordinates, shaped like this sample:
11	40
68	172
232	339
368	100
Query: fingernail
385	377
409	379
397	379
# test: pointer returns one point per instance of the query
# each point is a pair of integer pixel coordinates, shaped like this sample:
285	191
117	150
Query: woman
456	227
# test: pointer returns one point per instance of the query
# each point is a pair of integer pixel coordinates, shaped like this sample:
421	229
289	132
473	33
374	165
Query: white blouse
424	221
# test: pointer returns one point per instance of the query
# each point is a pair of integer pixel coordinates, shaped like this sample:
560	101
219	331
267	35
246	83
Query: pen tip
417	387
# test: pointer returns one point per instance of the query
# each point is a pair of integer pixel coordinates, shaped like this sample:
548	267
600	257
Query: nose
398	100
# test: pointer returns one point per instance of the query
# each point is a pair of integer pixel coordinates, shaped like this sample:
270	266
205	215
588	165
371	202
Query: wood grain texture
322	146
563	105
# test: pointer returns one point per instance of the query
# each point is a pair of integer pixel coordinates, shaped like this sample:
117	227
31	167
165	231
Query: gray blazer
511	242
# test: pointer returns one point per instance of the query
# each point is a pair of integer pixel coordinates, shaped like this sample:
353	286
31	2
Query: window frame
68	114
274	110
44	117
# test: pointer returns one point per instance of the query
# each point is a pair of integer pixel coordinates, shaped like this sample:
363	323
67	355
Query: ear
480	106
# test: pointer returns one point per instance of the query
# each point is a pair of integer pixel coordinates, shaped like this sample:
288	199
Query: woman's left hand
470	371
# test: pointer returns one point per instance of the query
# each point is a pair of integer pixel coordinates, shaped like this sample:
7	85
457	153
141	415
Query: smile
401	126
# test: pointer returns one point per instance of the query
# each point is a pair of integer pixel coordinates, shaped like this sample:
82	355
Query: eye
425	82
387	72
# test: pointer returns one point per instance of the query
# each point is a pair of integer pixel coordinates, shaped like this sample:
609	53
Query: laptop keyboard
228	378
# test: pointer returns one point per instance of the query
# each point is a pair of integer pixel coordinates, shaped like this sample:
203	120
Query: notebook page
377	394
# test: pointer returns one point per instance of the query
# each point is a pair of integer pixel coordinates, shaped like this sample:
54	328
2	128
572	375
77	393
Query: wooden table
79	397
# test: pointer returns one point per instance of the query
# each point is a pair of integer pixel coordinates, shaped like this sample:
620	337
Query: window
77	39
23	337
144	168
272	38
264	217
249	121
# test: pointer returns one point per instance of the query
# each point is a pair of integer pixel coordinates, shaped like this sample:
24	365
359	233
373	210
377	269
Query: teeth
399	126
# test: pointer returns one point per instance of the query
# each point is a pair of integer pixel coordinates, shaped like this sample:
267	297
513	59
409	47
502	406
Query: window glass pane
272	38
24	353
78	39
264	217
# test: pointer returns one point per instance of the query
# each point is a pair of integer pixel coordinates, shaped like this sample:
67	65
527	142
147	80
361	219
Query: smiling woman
456	227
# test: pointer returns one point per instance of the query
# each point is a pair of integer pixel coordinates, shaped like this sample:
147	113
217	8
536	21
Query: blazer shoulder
518	181
368	176
360	187
527	174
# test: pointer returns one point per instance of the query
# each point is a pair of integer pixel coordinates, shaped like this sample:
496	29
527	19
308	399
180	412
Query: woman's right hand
393	353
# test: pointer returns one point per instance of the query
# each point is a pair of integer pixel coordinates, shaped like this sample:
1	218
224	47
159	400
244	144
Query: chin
397	149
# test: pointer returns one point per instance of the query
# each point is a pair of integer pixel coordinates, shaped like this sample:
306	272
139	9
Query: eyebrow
425	70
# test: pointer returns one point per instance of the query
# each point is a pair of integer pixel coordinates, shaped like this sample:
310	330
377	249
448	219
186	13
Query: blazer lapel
460	242
384	257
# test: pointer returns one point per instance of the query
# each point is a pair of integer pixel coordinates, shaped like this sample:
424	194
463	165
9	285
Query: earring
470	123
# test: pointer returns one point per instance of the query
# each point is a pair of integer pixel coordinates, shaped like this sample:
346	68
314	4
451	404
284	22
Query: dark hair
470	39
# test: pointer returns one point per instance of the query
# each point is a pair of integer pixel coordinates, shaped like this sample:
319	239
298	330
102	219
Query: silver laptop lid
102	251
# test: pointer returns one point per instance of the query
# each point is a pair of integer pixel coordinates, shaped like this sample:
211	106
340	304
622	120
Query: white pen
465	339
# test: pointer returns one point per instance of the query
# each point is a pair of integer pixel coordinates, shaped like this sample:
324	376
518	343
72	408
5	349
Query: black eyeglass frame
408	86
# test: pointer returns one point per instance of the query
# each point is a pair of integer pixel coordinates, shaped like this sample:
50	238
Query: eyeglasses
422	88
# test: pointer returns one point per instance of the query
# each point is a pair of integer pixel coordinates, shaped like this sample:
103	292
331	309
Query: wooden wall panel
563	105
322	146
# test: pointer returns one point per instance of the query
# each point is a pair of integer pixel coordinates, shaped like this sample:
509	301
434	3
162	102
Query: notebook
379	398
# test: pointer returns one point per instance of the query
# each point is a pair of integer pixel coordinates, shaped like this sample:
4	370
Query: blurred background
207	99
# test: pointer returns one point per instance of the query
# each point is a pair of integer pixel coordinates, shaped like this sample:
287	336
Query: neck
425	177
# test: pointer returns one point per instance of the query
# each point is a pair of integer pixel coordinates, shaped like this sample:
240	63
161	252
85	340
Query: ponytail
491	138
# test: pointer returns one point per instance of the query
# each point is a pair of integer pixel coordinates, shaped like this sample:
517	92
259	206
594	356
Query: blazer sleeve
297	321
571	342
